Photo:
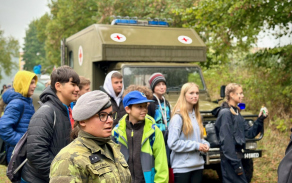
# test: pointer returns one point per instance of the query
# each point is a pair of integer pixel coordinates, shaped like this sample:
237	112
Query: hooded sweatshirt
19	110
117	102
185	156
108	87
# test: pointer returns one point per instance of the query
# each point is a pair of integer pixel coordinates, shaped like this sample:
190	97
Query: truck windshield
175	76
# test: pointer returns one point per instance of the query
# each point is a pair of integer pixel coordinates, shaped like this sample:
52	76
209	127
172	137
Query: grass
3	177
273	145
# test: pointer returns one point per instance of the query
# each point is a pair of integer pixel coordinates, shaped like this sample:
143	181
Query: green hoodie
153	157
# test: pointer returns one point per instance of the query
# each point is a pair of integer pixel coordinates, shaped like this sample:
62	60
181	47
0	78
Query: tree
228	26
8	48
34	50
67	18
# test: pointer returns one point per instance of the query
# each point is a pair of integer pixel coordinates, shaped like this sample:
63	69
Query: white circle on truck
118	37
80	55
185	39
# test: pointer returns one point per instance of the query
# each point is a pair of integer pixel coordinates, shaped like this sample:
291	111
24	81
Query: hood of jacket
10	95
108	87
49	95
22	80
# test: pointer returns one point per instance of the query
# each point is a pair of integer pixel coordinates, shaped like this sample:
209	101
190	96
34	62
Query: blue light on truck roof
139	22
126	21
158	23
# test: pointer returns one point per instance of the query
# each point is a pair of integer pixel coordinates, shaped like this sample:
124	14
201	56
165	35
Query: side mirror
222	91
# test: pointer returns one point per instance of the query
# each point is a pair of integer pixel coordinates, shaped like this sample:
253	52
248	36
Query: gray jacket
185	155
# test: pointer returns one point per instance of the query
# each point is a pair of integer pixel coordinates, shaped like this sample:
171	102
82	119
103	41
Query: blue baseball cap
135	97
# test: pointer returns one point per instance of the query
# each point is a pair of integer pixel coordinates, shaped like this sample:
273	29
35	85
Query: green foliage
67	18
227	25
34	50
8	48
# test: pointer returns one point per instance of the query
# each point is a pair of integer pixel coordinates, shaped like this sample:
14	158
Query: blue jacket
14	122
185	156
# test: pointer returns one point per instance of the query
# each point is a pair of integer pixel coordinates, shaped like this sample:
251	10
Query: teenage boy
49	128
84	85
113	86
141	140
160	108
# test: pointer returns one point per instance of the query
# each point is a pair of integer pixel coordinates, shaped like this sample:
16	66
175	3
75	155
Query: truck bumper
213	155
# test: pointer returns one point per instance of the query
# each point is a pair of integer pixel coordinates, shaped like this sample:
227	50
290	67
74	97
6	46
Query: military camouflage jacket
83	160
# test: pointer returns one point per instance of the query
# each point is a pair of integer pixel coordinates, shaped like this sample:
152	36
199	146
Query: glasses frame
112	115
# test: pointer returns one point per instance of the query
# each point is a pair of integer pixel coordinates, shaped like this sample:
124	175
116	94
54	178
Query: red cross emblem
186	40
80	55
118	37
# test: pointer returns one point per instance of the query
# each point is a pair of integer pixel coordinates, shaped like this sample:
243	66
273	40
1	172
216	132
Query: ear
58	86
82	123
232	95
128	109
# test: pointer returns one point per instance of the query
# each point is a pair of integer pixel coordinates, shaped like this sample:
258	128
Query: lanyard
163	115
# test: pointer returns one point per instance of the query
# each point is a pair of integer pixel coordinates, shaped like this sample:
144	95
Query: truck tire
248	168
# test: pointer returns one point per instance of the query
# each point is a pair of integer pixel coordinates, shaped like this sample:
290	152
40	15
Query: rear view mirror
222	91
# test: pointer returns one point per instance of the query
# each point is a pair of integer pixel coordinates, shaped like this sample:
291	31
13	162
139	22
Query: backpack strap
25	136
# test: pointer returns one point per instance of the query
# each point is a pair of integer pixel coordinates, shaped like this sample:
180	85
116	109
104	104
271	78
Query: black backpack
18	157
285	166
3	152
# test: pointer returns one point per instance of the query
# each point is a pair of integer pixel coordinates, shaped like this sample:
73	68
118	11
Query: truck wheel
248	168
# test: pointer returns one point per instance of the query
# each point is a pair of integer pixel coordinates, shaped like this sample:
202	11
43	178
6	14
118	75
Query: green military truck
137	49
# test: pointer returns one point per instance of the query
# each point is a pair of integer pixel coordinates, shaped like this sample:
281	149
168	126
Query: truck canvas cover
138	43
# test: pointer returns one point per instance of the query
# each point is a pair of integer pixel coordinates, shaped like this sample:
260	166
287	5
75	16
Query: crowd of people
119	135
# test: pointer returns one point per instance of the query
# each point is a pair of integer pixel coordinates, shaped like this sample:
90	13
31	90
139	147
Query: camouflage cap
89	104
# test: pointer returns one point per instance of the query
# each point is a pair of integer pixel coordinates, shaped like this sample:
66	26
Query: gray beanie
89	104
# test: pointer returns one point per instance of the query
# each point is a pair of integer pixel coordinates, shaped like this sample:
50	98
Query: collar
91	142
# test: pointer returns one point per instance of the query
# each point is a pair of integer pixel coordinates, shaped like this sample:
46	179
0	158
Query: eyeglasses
103	116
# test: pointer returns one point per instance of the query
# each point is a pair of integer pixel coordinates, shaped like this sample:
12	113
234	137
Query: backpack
285	166
18	157
3	153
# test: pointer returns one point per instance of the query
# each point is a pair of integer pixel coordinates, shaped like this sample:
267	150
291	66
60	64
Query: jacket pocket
99	173
125	173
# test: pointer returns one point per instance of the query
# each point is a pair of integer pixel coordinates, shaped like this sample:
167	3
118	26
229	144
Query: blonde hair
181	108
231	88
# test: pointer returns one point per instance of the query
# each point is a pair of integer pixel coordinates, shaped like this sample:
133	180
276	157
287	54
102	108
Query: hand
201	147
204	147
261	113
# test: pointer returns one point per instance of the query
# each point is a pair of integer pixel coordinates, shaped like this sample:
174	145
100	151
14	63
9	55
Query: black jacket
232	131
45	141
119	109
285	166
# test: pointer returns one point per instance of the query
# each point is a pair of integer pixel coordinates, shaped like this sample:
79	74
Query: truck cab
139	49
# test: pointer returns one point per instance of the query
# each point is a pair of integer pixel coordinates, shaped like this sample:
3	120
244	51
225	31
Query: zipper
132	135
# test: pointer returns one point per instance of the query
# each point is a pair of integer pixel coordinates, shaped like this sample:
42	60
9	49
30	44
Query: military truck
137	49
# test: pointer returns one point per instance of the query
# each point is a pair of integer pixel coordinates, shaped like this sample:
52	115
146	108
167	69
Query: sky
15	16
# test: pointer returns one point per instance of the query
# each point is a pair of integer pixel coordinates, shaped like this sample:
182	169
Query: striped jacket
153	154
